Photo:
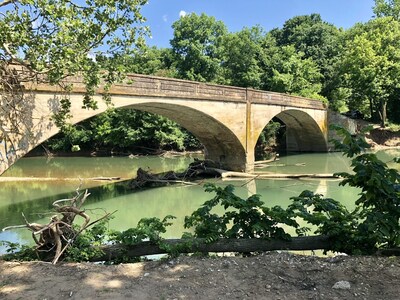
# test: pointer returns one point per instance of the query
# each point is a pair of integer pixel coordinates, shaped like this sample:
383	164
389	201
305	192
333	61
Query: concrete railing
153	86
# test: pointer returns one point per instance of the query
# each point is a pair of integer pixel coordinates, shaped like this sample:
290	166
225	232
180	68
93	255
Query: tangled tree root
53	239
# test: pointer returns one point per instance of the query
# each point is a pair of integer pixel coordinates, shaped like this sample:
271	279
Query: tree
289	72
62	38
242	57
48	41
371	66
124	130
387	8
318	40
196	45
153	61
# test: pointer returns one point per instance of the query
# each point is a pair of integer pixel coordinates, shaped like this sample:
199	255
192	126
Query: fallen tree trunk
226	174
112	252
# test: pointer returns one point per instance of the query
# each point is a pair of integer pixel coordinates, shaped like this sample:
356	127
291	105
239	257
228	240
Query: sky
237	14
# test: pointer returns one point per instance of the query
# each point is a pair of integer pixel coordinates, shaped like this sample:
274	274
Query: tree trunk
383	113
111	252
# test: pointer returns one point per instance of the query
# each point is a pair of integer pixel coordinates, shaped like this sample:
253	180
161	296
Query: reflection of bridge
227	120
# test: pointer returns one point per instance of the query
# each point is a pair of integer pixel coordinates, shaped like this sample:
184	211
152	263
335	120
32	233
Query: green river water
34	196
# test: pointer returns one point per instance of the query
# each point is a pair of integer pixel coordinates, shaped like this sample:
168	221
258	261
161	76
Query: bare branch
14	227
7	2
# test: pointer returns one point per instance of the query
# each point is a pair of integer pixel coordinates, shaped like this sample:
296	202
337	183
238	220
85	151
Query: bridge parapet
271	98
145	85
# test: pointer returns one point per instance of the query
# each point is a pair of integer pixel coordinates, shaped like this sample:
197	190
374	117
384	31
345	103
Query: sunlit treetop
387	8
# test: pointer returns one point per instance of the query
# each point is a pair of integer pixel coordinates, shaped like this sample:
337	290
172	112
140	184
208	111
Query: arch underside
221	144
303	134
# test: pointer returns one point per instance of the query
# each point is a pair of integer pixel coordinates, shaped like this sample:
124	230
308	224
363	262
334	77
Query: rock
341	285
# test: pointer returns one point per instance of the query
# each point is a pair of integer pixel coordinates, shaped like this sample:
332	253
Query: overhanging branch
7	2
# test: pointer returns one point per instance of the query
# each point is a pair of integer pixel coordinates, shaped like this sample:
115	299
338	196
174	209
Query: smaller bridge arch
303	133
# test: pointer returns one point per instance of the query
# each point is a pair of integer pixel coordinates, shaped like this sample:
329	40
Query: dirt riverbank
265	276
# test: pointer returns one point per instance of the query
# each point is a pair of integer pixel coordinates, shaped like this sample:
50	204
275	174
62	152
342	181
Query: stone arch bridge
227	120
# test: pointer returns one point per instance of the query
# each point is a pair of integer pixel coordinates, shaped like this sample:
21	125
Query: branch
70	241
7	2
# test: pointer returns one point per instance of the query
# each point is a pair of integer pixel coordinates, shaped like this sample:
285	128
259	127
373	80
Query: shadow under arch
303	134
221	144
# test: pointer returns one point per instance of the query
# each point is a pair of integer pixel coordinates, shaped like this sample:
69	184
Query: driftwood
146	179
226	174
112	252
274	158
197	170
53	239
200	169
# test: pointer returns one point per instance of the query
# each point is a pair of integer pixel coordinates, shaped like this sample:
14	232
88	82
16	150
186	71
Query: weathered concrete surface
227	120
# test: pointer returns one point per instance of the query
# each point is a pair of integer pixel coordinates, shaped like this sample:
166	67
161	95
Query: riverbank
380	138
275	275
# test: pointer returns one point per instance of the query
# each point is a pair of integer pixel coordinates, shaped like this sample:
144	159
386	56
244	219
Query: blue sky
237	14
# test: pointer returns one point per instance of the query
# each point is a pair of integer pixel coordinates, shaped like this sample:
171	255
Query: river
58	178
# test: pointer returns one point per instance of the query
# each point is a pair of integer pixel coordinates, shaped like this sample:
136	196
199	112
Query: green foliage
147	229
55	39
152	61
387	8
318	40
125	130
330	217
243	218
87	244
239	69
379	203
288	71
350	145
379	199
196	45
16	251
268	140
370	66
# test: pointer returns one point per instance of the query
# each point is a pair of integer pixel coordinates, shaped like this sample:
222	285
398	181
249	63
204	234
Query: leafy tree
47	41
242	57
318	40
289	72
371	66
125	130
61	38
387	8
196	45
153	61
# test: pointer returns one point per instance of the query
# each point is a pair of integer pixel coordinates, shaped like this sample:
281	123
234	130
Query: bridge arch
303	132
220	143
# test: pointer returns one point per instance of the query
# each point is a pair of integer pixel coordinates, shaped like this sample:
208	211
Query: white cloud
182	13
165	18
